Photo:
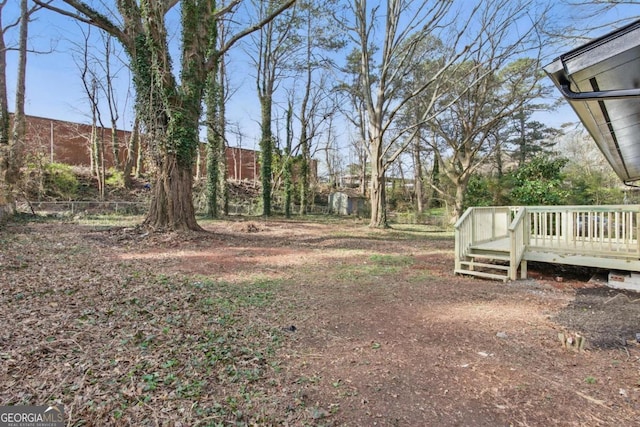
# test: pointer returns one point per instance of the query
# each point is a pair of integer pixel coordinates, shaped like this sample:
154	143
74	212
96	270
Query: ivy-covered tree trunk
213	175
216	187
223	169
171	110
5	193
217	192
288	164
305	170
172	204
435	182
266	151
214	140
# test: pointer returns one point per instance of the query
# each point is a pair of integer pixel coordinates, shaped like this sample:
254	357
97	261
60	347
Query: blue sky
54	87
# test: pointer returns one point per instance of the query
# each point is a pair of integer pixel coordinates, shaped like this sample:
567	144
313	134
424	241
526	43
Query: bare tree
12	142
490	87
356	115
274	45
409	27
216	97
600	15
319	36
110	93
406	24
90	83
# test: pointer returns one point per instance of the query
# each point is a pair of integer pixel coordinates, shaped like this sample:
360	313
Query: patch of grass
375	265
391	260
109	220
259	292
590	380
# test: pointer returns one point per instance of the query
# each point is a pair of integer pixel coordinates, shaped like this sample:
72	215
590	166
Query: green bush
60	181
540	182
115	178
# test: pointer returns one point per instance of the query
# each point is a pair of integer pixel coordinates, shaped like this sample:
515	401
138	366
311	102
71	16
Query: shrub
60	181
115	178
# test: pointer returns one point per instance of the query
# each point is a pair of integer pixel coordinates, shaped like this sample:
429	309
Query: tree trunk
304	124
288	166
4	102
458	205
6	197
171	203
304	170
140	156
378	184
461	183
523	140
266	148
435	182
213	175
417	177
223	169
363	172
115	145
213	149
131	153
217	192
12	145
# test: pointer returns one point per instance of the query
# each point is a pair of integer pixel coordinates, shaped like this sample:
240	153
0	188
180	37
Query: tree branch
89	16
233	40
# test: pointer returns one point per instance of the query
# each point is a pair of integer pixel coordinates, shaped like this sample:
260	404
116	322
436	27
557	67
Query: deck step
495	256
483	274
485	265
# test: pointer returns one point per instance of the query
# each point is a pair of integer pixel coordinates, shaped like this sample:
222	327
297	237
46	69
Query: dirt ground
303	323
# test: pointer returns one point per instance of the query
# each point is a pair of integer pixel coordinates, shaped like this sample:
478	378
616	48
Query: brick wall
68	142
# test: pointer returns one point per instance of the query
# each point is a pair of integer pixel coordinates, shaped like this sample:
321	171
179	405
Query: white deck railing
593	231
586	230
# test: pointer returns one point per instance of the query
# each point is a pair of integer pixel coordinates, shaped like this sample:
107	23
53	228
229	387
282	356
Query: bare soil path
303	323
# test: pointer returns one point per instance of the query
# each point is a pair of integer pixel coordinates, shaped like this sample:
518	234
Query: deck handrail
463	218
464	236
517	242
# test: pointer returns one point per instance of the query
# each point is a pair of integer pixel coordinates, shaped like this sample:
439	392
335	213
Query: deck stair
497	242
490	263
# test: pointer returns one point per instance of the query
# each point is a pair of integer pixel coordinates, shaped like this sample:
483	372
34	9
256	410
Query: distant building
347	203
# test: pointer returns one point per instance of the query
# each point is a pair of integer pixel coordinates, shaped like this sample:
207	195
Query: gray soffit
601	81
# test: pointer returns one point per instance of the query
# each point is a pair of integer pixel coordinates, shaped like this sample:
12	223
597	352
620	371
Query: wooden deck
500	245
593	236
